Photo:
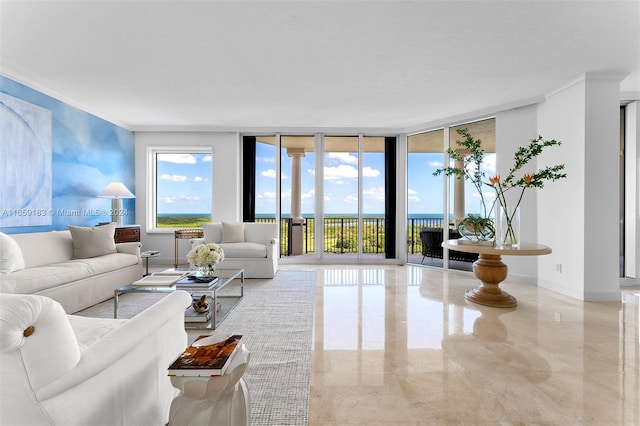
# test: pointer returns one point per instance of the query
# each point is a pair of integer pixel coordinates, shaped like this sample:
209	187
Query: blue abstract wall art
85	154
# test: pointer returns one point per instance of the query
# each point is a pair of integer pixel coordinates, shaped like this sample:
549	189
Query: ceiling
240	65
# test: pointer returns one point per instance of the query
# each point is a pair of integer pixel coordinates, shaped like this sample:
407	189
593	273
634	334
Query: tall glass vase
509	226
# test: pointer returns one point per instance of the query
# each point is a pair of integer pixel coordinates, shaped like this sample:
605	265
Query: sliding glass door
425	219
428	222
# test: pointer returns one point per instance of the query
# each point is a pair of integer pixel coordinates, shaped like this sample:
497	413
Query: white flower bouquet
205	257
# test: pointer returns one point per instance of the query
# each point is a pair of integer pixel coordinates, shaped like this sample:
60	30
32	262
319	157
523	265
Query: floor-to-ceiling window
353	217
341	195
374	231
297	194
425	207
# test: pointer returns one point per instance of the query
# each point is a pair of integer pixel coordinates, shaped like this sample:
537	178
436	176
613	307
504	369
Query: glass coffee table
227	300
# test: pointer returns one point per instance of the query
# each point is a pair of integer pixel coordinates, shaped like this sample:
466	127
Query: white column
297	234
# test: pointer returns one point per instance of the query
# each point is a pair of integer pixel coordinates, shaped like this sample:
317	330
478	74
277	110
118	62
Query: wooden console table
184	234
490	270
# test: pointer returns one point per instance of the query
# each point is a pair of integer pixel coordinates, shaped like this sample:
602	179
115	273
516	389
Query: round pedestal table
490	270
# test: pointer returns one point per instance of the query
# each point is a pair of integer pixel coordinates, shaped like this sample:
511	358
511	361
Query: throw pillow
93	241
10	255
232	232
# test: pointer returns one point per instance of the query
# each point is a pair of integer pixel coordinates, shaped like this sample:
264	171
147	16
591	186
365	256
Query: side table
146	255
184	234
213	400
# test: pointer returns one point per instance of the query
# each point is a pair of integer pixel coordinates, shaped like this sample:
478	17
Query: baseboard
588	296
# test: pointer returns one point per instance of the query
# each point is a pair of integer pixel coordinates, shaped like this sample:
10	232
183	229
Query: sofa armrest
129	248
273	248
155	336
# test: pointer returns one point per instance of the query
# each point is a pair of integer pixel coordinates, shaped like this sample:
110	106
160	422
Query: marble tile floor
399	345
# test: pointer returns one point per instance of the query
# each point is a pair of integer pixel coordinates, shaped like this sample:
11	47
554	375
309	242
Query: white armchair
257	249
59	369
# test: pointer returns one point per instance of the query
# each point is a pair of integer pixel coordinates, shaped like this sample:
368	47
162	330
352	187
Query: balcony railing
341	234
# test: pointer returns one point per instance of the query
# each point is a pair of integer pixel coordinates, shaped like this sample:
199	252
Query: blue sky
184	183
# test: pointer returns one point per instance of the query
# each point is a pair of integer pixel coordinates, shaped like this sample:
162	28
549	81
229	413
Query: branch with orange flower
528	180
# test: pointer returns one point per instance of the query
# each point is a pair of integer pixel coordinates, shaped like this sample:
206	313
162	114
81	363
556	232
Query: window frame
152	180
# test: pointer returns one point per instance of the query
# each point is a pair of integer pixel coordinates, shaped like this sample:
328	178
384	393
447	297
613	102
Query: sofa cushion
244	250
232	232
43	248
93	241
212	232
11	258
32	280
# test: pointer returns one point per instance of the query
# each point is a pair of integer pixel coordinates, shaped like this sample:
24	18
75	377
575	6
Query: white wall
226	182
515	128
578	216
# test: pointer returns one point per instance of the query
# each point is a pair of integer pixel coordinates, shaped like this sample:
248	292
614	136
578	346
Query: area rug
275	318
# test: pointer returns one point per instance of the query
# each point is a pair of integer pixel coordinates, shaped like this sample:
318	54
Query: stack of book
190	315
206	357
195	282
156	281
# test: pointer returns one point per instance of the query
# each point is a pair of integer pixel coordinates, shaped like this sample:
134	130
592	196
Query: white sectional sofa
252	246
78	271
59	369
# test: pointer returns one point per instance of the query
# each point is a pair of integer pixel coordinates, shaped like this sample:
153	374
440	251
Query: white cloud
344	157
369	172
177	158
412	195
182	178
270	173
376	193
173	178
343	171
182	199
350	199
437	164
489	164
206	159
340	172
266	159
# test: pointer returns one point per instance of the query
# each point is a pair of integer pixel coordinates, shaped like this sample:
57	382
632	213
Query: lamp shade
116	190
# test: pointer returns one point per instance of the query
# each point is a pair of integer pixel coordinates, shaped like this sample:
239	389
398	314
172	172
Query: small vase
509	226
207	271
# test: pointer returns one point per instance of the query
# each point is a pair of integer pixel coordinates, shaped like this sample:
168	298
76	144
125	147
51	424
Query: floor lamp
116	191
